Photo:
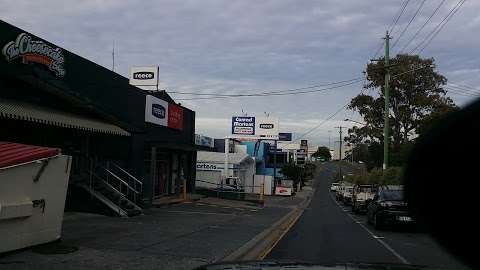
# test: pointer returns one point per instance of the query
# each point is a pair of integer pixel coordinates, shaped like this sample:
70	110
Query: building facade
52	97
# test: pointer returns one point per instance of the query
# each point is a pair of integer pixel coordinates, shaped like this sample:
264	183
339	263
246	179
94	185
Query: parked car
334	186
339	192
361	197
347	195
231	183
388	208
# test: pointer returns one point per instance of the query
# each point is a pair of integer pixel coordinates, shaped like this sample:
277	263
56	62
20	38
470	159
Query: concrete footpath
180	236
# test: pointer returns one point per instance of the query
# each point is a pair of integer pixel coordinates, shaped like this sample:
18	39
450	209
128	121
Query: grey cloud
214	46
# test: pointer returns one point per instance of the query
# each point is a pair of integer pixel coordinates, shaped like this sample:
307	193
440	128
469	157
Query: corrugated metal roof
217	157
15	153
34	113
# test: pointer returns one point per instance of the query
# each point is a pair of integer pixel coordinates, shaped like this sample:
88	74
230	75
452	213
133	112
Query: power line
262	93
438	28
441	27
320	124
409	22
408	71
402	9
273	94
423	26
462	93
464	89
378	50
464	86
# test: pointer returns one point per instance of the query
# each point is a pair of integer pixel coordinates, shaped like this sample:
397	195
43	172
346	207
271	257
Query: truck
362	195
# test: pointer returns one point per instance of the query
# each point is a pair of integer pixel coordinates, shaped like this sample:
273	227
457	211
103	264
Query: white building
210	167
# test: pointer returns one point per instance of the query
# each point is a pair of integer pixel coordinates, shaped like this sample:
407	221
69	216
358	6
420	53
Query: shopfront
52	97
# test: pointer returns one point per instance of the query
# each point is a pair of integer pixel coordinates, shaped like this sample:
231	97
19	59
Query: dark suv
388	208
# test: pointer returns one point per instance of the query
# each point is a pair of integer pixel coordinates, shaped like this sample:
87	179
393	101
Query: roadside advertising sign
204	141
175	117
144	76
283	191
243	125
303	143
156	111
267	128
285	137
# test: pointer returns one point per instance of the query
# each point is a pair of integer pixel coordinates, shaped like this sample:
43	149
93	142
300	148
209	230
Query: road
329	233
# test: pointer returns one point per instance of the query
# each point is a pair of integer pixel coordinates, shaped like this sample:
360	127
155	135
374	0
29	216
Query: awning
29	112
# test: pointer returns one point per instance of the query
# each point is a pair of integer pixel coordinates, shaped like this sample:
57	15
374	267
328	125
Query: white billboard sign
156	111
267	128
144	76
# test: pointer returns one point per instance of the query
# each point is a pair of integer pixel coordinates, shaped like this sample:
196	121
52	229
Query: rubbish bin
33	187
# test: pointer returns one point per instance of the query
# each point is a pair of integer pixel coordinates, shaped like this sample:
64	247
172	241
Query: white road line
389	248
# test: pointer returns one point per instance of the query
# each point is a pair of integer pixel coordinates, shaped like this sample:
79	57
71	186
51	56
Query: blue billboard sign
243	125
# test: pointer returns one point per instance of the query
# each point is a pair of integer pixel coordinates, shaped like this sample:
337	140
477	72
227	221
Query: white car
334	187
347	195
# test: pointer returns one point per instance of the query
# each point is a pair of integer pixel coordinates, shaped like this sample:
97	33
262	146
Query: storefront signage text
266	126
143	75
243	125
175	117
35	51
160	112
207	166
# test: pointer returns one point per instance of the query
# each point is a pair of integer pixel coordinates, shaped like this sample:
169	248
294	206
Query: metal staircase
114	187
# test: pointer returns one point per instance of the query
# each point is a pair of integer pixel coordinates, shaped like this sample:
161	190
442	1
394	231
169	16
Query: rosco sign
158	111
143	75
35	51
266	126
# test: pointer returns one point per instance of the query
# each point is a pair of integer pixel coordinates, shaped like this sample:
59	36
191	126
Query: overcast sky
205	46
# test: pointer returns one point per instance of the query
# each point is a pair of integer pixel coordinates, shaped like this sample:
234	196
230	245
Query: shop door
160	183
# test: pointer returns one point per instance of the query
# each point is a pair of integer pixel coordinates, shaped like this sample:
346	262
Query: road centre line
389	248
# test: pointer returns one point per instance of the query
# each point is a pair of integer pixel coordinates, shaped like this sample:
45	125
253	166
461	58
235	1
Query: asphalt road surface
328	232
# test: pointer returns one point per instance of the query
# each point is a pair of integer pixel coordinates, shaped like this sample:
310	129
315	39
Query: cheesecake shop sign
35	51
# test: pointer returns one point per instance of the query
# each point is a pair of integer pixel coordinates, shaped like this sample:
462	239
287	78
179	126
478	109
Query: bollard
184	189
261	193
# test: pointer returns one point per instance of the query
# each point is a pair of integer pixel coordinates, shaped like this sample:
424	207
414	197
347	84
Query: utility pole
387	105
329	135
340	146
340	153
113	56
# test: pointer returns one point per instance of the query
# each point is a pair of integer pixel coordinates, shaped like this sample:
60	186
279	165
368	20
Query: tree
417	100
322	152
293	172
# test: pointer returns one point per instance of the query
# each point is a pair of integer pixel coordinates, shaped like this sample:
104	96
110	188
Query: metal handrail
130	175
121	197
121	181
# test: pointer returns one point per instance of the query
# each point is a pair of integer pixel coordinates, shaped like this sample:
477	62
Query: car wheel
377	222
369	218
